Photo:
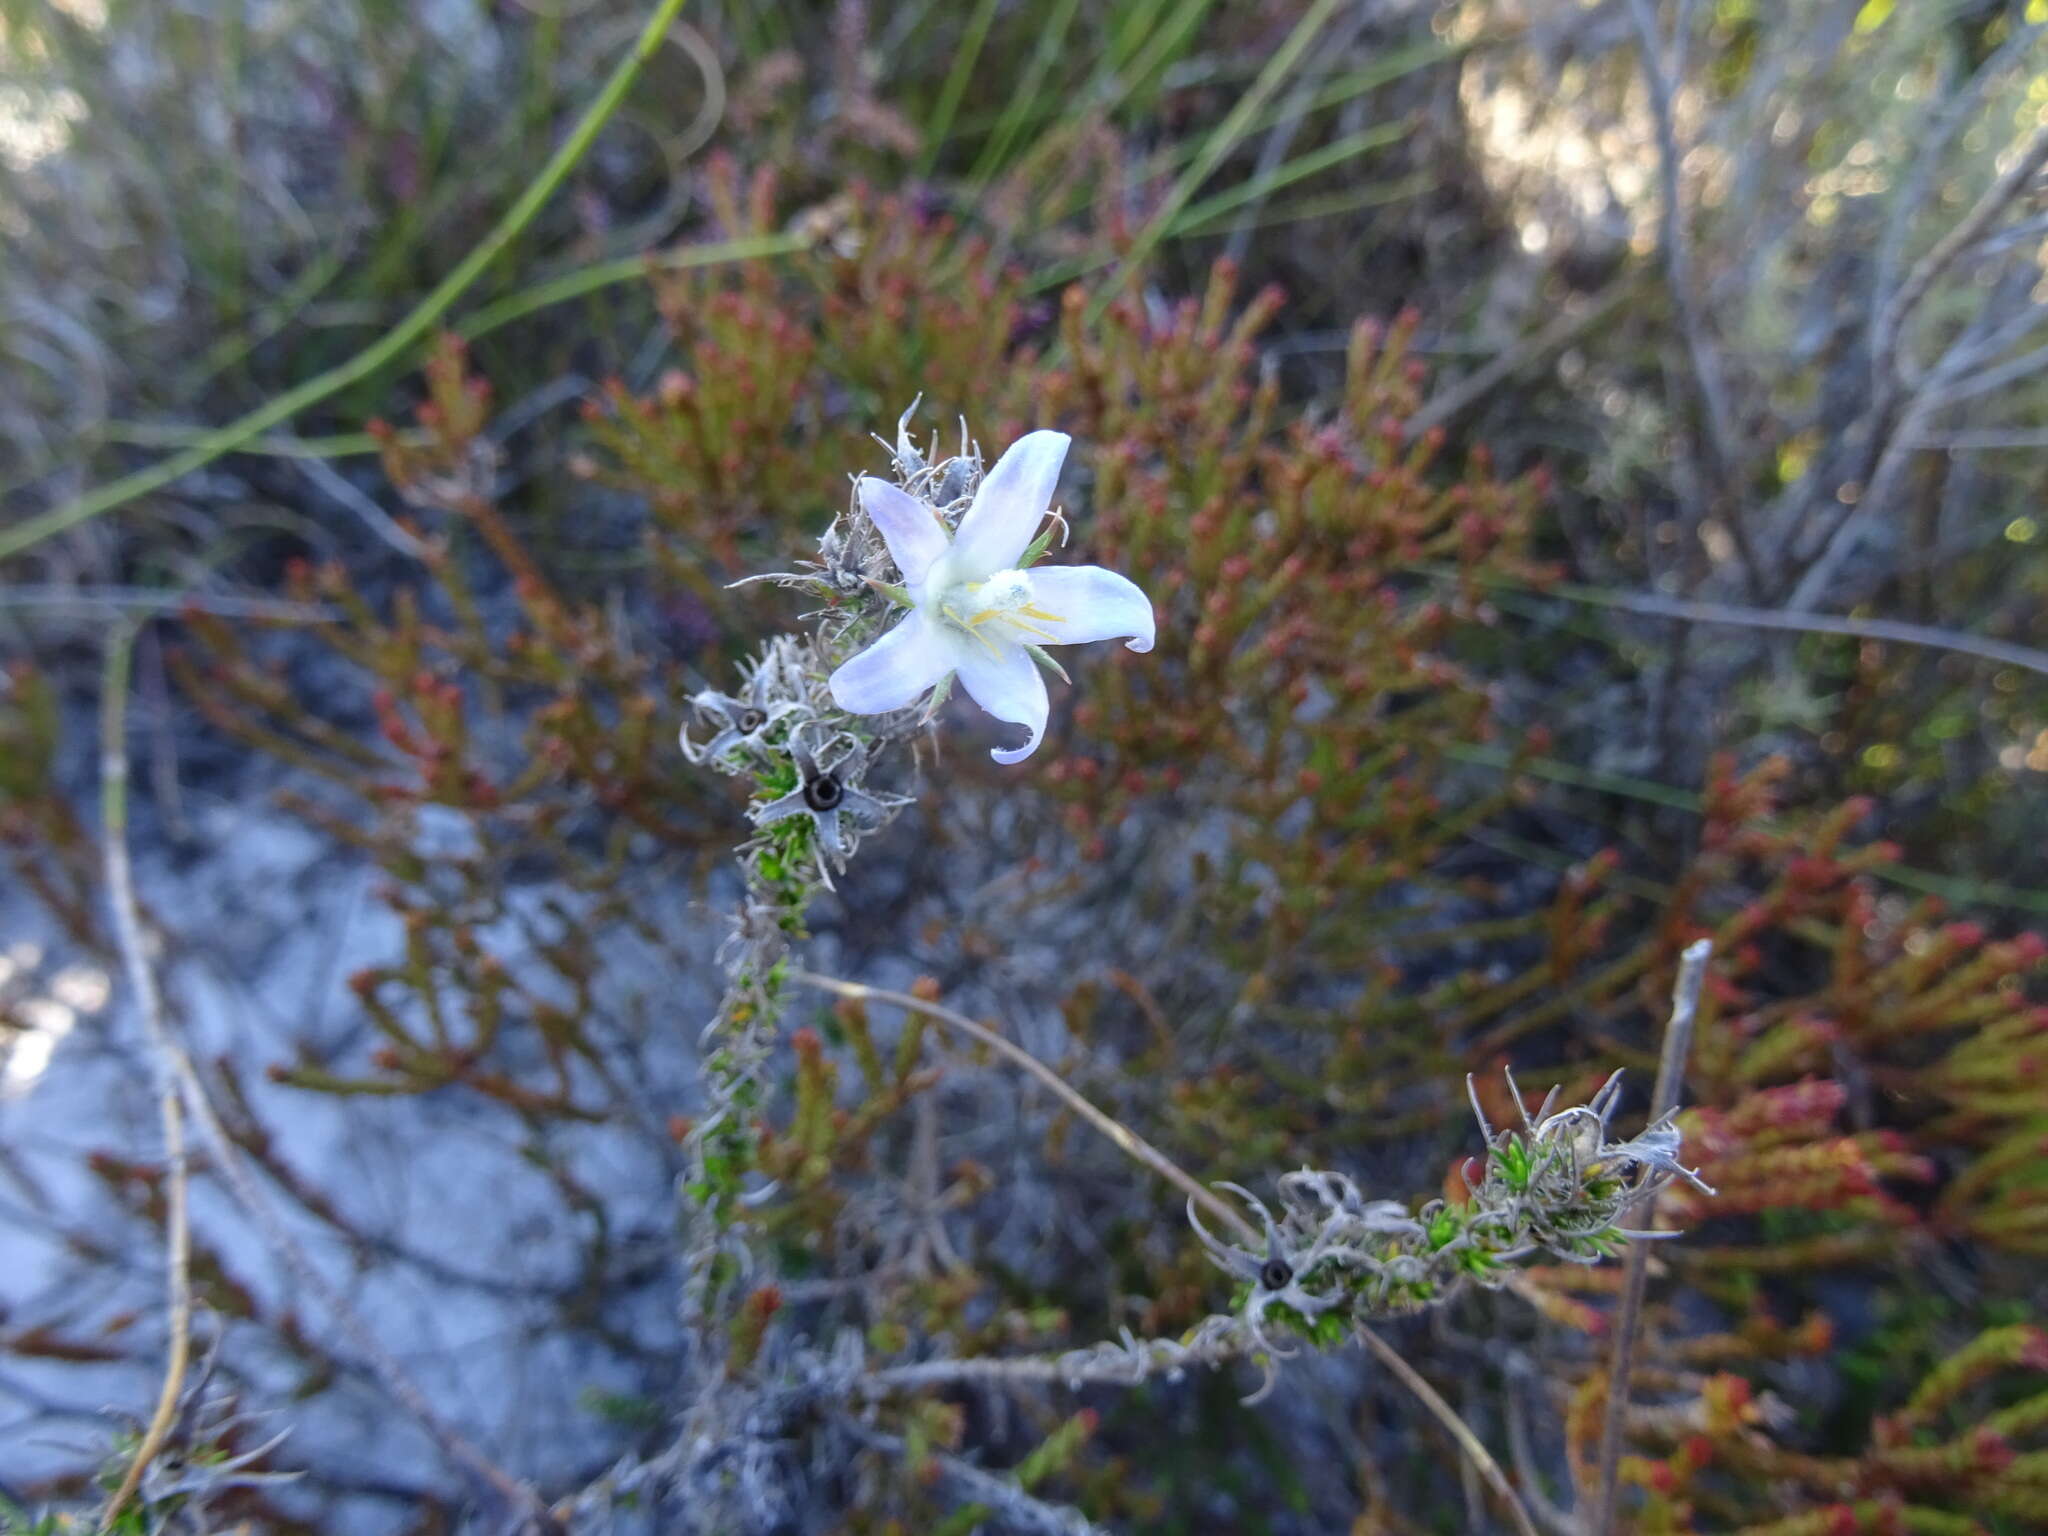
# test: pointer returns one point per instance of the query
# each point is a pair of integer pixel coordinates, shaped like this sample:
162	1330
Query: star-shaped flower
974	612
828	790
771	695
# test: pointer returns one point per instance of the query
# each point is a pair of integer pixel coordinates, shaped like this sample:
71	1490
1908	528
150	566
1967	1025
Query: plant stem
181	1082
1127	1140
127	927
1685	1003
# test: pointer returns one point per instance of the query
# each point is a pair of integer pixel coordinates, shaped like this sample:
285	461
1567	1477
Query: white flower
973	612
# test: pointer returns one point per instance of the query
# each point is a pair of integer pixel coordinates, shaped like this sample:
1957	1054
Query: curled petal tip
1008	755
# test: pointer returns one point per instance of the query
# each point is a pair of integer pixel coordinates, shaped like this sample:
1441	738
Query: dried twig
1677	253
102	602
1892	318
1952	107
1126	1139
1144	1152
1961	642
1560	333
345	491
1905	402
128	934
1685	1002
1475	1451
182	1080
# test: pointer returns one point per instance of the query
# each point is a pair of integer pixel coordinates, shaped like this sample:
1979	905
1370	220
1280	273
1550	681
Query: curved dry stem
1126	1140
127	928
1136	1147
1685	1004
1474	1449
181	1081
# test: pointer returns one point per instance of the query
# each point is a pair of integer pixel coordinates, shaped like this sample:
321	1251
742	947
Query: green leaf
1039	655
1038	548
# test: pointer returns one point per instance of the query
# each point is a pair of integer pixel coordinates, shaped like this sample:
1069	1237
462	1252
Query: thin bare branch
1144	1152
1676	249
345	491
182	1080
1475	1450
1955	104
1560	333
128	934
108	601
1891	321
1685	1004
1126	1140
1217	1341
2001	652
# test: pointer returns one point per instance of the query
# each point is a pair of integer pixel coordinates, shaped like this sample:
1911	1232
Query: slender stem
1559	333
1685	1003
102	601
182	1081
1676	247
387	347
1892	318
1126	1139
1656	605
1143	1151
1474	1449
121	897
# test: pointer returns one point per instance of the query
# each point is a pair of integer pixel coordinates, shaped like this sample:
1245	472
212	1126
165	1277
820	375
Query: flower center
1001	603
1274	1274
824	792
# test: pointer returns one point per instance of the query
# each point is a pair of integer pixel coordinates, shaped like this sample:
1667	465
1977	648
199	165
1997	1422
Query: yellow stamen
968	625
1015	616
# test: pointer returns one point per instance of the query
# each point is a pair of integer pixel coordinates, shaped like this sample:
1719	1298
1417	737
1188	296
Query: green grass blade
1226	137
1024	100
624	269
1164	47
1297	169
1321	206
386	348
956	86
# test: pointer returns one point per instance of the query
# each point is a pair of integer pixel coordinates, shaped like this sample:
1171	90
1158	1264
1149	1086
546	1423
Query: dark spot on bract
1274	1274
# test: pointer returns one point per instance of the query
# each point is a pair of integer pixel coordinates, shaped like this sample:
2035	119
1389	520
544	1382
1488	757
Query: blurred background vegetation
1588	460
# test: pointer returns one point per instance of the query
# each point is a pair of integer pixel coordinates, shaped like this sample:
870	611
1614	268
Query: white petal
893	671
1007	685
1010	505
1097	605
913	535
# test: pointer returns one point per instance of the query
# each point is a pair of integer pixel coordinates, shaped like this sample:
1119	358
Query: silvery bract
974	613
